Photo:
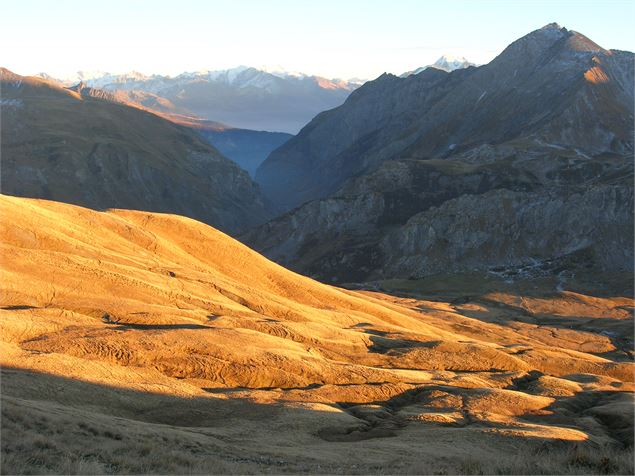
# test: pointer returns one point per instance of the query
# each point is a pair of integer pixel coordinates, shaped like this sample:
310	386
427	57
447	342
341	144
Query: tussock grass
574	460
33	443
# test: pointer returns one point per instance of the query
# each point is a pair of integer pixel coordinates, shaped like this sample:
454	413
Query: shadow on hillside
618	330
149	407
164	327
224	413
458	288
471	291
602	414
61	425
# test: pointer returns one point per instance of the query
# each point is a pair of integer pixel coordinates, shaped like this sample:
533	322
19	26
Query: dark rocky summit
526	159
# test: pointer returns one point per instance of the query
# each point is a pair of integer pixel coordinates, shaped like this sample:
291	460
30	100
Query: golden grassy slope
164	332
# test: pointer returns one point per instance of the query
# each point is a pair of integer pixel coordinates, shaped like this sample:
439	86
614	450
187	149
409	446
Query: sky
331	38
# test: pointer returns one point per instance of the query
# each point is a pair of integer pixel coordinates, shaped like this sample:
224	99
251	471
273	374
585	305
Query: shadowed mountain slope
245	147
85	146
552	85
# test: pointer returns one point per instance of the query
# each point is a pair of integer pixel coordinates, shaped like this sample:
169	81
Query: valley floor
144	343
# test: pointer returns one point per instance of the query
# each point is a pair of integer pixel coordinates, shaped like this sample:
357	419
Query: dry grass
34	442
138	343
580	459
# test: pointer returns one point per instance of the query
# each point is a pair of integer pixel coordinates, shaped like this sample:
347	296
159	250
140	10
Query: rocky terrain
519	162
413	218
136	342
85	146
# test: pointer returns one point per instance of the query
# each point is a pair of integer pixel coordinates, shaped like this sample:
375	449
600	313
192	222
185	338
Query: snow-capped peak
446	63
89	75
266	77
450	63
452	59
281	72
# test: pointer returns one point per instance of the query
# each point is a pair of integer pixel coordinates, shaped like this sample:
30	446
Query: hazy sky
339	38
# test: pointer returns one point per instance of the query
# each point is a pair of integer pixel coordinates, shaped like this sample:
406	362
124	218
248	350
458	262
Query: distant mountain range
244	97
445	63
525	163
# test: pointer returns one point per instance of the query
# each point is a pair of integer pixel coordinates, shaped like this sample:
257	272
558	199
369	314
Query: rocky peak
86	91
450	63
550	115
79	87
552	26
580	43
549	45
529	48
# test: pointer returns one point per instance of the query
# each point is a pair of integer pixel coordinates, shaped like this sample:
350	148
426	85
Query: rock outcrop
367	229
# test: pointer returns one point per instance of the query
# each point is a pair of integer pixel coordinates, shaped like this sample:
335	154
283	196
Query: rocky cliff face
504	229
84	147
366	230
523	161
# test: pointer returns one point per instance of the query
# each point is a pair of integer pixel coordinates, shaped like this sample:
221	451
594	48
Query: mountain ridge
245	97
456	116
86	146
550	116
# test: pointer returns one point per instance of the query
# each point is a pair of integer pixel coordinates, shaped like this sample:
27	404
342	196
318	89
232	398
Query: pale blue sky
333	38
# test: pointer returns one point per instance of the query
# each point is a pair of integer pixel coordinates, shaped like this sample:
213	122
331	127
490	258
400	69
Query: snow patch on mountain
446	63
265	77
